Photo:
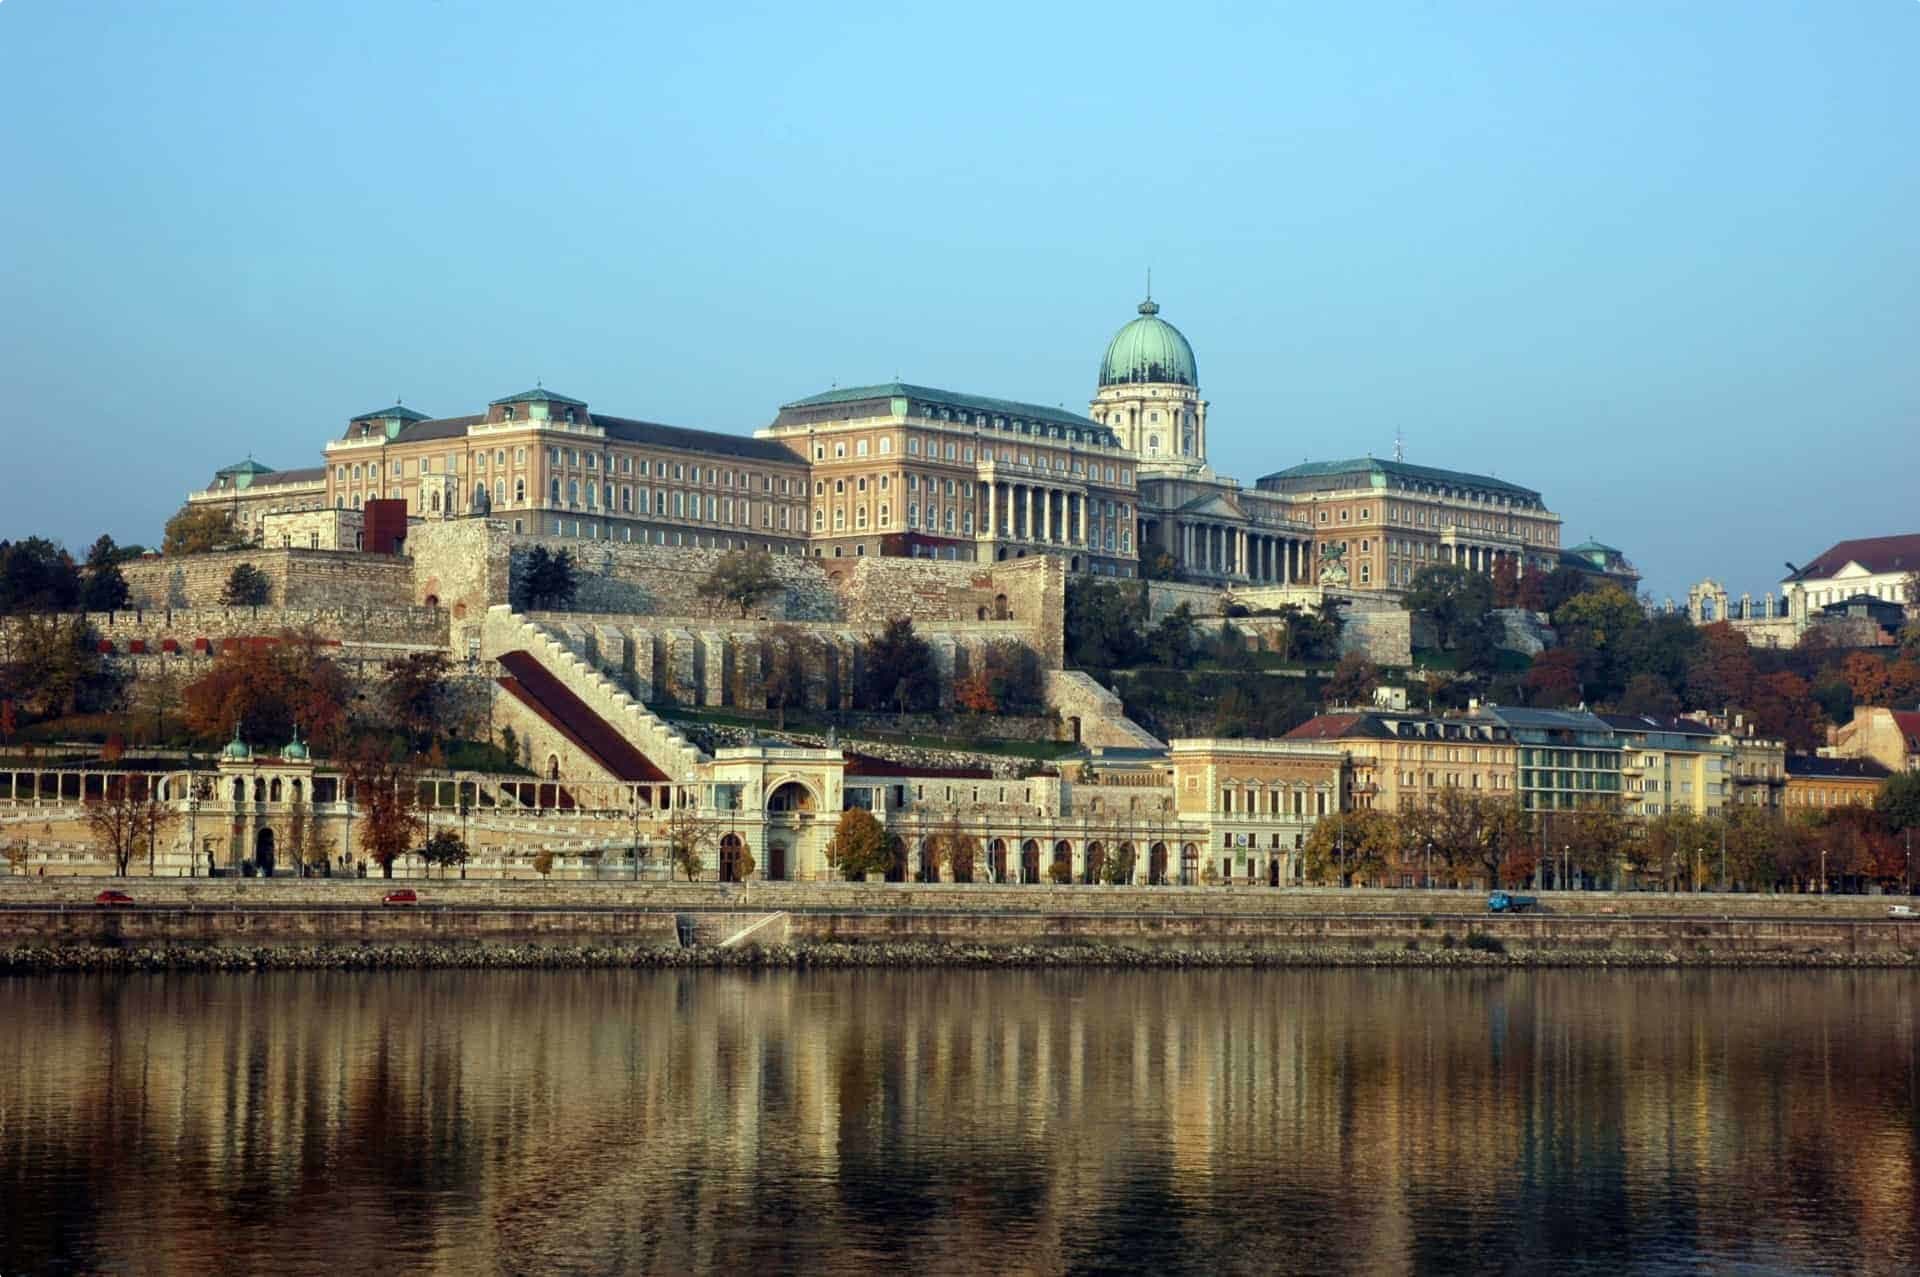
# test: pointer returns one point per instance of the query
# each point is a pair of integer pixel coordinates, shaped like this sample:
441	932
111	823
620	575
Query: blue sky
1657	260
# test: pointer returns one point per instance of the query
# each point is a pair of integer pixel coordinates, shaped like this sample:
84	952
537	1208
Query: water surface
952	1121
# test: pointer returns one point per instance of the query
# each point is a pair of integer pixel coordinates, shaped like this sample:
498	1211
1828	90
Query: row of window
950	450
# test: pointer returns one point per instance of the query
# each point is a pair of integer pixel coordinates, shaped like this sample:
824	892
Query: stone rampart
298	578
1094	714
189	630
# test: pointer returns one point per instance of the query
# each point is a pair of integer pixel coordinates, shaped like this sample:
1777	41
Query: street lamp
1823	871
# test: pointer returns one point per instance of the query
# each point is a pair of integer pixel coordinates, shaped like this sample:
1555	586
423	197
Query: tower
1149	394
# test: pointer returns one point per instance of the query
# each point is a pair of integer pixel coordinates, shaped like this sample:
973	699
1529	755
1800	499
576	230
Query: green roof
539	394
948	399
249	466
1149	350
1378	470
397	412
1593	547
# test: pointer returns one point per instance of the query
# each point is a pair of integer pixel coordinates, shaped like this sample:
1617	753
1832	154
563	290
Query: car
111	899
404	896
1901	911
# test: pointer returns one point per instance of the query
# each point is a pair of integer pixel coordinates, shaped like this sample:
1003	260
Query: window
886	445
860	448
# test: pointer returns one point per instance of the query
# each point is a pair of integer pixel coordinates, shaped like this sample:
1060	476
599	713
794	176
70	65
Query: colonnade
1245	554
1483	558
1049	515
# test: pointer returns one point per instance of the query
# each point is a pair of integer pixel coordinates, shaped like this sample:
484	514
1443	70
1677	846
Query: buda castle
897	469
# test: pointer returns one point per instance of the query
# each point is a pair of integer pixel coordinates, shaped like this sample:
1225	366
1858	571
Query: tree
1481	834
9	722
1867	677
1013	676
200	530
247	586
1899	801
974	694
740	579
37	576
690	836
1174	644
543	862
786	649
545	581
1598	840
267	688
1783	706
1353	680
1554	679
897	670
1677	847
445	848
859	845
1511	589
414	691
1104	621
1450	597
1649	694
51	666
1721	673
387	792
126	818
103	588
1346	846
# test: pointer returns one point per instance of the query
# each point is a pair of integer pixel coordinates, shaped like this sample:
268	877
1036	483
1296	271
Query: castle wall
298	578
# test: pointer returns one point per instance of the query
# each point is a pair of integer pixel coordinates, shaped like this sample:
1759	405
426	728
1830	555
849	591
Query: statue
1333	566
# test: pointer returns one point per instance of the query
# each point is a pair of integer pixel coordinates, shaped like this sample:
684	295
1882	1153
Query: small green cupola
296	750
236	750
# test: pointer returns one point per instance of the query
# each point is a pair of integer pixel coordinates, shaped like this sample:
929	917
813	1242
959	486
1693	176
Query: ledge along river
961	1121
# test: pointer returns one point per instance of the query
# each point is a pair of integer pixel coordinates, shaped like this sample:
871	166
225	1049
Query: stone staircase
506	631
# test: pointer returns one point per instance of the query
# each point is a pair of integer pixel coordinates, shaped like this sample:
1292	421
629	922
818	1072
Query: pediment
1214	506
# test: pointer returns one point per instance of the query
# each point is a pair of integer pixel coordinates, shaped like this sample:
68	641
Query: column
987	518
1026	531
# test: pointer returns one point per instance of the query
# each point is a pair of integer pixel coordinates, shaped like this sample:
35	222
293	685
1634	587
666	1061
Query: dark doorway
777	862
732	849
1157	865
263	852
1030	861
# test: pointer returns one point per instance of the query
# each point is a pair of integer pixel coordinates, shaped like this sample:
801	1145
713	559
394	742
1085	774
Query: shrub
1485	943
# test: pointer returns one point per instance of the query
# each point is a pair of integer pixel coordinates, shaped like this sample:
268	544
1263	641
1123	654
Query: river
954	1121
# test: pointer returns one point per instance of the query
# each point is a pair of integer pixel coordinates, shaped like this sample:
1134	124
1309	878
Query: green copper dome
1148	349
297	751
236	748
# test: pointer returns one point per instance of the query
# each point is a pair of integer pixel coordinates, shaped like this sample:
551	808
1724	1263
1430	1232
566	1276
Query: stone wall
134	632
1095	712
462	565
298	578
1386	637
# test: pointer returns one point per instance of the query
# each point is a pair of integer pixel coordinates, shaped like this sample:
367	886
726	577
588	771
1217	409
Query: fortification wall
190	630
298	578
1098	714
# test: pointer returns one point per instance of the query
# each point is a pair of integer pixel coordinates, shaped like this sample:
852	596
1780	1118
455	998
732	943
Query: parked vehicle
111	899
1506	902
1901	911
404	896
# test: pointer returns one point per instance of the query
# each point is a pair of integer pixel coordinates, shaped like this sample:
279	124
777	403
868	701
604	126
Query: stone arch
263	855
1062	857
1001	612
1030	861
553	767
259	790
1189	864
928	870
997	859
896	870
1095	861
790	795
433	600
1157	865
273	790
733	852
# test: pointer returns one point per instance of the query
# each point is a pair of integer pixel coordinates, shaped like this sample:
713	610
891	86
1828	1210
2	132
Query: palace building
898	469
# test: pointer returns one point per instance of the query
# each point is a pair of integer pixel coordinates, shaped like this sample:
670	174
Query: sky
1655	260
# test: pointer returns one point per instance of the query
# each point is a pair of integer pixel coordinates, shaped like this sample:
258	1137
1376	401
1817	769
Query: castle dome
1148	349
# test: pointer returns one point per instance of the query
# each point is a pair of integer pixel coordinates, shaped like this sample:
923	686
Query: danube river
963	1122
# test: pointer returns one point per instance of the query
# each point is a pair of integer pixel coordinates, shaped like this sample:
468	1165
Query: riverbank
45	960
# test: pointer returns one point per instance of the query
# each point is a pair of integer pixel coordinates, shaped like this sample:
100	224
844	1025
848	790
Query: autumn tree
1867	676
127	817
690	837
1482	835
1783	706
51	666
200	530
386	795
1346	846
268	688
1553	681
1596	840
859	845
740	579
974	693
1512	589
543	862
1721	673
1353	680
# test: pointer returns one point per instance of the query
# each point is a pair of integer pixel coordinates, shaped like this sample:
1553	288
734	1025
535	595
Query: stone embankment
235	924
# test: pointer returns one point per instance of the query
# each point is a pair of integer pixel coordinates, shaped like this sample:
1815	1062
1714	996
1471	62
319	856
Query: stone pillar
986	516
1027	531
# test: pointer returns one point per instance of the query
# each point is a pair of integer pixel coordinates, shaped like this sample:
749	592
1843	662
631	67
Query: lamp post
1823	871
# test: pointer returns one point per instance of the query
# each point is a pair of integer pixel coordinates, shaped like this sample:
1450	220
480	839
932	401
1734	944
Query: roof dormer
386	423
538	405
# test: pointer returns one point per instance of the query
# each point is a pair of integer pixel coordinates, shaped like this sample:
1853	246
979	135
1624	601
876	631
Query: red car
404	896
113	900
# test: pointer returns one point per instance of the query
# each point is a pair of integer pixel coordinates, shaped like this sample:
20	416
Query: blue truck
1506	902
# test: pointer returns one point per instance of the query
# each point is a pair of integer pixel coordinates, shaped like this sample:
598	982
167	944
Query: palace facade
909	470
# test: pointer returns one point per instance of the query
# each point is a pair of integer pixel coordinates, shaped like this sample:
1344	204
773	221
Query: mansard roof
1372	472
928	401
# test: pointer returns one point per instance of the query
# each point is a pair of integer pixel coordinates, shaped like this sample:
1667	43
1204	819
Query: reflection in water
961	1121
